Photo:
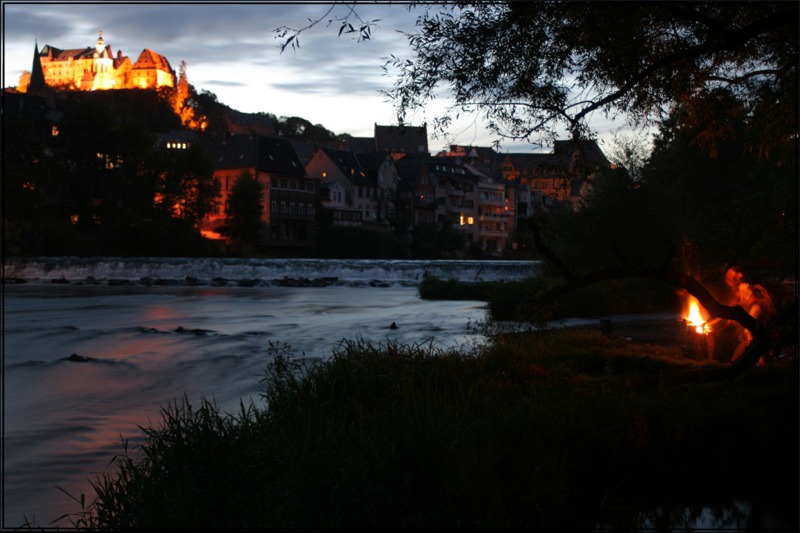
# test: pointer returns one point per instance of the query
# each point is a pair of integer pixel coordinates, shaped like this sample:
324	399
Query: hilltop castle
97	68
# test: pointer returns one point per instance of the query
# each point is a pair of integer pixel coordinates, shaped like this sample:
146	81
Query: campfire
698	329
706	337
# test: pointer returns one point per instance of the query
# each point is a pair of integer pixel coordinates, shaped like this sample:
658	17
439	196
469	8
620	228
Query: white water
64	421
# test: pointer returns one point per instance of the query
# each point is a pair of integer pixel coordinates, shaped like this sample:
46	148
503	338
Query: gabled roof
592	154
149	60
345	161
454	167
276	155
370	163
268	154
561	157
305	151
405	139
361	144
74	53
528	161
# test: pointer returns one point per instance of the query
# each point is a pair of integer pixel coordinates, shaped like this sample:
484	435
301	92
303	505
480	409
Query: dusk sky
231	50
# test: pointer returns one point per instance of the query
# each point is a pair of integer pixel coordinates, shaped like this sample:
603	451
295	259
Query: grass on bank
546	430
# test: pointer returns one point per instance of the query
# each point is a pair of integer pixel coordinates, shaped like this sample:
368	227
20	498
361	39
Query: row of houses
392	182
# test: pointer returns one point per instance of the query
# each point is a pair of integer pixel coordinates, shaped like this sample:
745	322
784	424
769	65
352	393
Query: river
155	330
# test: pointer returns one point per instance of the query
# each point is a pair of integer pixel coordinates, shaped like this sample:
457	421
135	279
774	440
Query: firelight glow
694	316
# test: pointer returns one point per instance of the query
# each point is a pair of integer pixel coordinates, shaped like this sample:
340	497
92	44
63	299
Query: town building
338	172
289	204
398	141
558	178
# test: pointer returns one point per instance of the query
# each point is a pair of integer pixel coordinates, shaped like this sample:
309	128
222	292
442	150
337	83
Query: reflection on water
148	346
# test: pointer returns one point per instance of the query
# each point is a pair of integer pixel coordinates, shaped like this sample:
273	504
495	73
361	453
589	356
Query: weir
206	270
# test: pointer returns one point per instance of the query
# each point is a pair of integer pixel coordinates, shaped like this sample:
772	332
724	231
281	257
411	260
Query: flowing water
155	330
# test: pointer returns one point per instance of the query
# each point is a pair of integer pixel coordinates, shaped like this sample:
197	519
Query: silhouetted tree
532	67
186	188
244	210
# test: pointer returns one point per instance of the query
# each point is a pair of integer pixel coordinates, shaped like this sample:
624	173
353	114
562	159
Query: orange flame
752	298
694	316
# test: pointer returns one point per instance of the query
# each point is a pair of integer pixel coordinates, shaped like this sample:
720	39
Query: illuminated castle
97	68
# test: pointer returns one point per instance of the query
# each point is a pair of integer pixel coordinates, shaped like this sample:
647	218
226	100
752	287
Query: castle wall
96	69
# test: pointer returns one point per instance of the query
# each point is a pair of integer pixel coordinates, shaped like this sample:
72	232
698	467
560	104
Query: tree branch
663	274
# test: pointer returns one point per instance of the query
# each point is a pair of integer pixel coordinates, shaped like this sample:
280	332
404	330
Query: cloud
231	49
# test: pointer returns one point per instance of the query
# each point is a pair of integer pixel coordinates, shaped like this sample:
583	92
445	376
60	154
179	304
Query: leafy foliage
362	30
244	209
302	130
103	185
533	67
699	207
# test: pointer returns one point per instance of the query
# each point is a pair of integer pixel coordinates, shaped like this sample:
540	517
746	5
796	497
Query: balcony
495	218
494	234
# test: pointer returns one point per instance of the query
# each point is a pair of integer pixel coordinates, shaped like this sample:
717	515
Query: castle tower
100	46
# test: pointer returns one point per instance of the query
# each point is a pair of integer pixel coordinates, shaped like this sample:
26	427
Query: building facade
289	203
98	68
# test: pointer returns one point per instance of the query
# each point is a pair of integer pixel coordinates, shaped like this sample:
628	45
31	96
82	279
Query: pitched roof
361	144
560	158
405	139
149	59
592	154
371	161
37	85
305	151
345	161
269	154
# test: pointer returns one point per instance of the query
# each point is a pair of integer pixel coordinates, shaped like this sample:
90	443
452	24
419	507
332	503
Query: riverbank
538	430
